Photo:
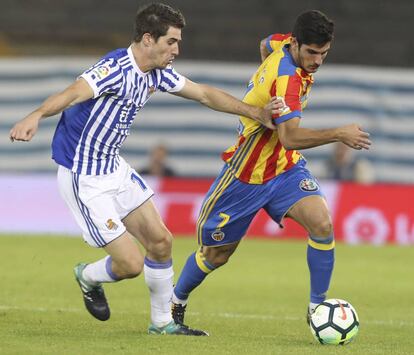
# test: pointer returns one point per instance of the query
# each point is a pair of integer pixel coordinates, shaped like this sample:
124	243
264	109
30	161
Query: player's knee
160	248
216	256
130	267
322	227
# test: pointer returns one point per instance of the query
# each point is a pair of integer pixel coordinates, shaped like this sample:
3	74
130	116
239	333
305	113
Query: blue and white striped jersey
89	134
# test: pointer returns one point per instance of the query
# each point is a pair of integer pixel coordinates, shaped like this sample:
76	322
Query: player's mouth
313	68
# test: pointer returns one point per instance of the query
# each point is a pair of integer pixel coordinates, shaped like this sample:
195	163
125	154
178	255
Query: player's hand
274	107
354	137
25	129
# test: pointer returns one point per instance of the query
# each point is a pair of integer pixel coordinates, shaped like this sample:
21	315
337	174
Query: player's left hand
274	107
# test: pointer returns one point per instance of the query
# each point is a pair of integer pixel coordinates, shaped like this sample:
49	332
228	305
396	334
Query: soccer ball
334	322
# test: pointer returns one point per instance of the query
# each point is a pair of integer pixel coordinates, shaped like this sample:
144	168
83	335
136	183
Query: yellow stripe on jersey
266	153
321	246
243	159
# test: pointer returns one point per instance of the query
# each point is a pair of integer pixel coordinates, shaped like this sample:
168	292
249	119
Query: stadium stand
369	32
379	99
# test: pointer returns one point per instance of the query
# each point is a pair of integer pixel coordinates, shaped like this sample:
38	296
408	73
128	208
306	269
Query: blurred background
368	78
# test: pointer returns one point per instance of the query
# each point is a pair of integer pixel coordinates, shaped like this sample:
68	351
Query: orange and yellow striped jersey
258	155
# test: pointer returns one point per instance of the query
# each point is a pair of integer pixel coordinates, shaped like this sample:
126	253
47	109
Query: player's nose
175	50
318	60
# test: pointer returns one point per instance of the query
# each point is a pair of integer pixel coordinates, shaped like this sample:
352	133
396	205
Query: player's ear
294	43
147	39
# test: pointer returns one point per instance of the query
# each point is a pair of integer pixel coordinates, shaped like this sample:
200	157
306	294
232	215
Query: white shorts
100	202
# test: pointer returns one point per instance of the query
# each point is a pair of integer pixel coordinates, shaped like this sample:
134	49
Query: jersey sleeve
288	88
276	41
104	77
171	81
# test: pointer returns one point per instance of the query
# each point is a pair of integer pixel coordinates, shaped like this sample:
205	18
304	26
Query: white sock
312	307
159	278
175	299
99	271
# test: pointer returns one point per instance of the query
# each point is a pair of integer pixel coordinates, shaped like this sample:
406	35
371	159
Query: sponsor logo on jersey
101	71
111	225
217	235
308	185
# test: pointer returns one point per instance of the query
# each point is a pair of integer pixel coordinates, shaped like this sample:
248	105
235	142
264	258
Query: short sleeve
288	88
171	81
276	41
104	77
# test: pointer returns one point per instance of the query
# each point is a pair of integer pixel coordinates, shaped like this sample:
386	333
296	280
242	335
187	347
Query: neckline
134	63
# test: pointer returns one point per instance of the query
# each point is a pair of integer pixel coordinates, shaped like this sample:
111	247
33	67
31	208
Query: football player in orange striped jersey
264	169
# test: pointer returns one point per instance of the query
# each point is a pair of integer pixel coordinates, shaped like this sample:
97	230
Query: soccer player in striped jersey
111	202
265	170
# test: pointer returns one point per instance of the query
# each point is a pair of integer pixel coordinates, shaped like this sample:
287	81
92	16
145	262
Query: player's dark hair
313	27
155	19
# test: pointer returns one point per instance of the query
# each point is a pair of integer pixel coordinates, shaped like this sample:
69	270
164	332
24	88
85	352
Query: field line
266	317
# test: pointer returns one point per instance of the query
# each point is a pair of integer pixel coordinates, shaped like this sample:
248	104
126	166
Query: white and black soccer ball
334	322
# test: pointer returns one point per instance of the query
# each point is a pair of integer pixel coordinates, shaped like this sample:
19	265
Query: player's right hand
353	136
25	129
274	107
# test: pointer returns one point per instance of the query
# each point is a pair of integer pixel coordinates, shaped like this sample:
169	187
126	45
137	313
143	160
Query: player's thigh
289	189
228	209
313	214
145	224
139	214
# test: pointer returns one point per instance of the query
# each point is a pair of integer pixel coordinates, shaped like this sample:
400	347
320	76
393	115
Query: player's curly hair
155	19
313	27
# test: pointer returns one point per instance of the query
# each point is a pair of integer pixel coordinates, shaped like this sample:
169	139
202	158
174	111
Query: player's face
166	48
311	56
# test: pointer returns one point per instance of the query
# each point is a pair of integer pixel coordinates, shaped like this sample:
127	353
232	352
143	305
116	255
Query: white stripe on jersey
89	140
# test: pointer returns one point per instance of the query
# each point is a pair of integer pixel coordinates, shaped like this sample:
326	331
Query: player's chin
162	66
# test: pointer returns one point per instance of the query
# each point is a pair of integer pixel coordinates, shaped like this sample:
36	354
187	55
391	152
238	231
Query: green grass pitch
254	305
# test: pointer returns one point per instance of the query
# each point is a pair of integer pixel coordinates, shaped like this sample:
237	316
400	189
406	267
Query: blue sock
194	272
320	262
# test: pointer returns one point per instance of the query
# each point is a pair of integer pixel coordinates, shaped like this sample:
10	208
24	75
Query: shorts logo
111	225
308	185
217	235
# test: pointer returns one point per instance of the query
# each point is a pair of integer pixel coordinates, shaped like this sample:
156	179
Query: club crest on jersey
218	235
111	225
308	185
151	90
101	71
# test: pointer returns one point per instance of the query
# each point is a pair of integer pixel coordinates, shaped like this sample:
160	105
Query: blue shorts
230	204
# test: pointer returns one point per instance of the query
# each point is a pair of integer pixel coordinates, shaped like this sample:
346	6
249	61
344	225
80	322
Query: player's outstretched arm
294	137
219	100
25	129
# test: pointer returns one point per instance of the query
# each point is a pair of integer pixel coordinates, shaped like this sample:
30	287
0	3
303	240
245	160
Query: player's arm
294	137
25	129
219	100
264	51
